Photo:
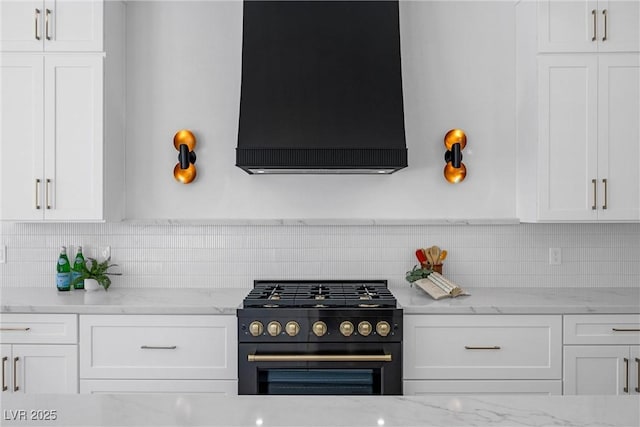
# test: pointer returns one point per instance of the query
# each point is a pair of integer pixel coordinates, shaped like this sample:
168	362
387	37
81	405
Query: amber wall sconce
185	143
454	141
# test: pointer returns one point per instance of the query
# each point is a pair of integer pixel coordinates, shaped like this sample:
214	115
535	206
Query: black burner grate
324	294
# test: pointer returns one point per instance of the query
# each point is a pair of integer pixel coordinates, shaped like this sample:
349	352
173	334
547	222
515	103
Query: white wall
214	256
183	71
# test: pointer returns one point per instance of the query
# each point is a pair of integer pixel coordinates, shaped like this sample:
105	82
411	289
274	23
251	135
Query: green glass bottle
63	278
77	269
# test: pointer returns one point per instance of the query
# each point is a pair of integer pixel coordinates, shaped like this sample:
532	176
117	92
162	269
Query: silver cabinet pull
638	370
625	329
482	347
604	181
606	16
4	382
15	374
37	193
152	347
626	375
46	24
595	26
37	24
15	329
595	193
47	193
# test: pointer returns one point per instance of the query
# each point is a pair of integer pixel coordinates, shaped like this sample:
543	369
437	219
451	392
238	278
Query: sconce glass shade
454	136
455	175
184	136
185	176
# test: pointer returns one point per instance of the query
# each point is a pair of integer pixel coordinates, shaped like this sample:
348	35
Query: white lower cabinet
482	354
602	354
158	353
39	353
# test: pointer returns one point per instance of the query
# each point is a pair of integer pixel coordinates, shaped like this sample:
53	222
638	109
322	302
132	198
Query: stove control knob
292	328
256	328
383	328
364	328
319	328
346	328
274	328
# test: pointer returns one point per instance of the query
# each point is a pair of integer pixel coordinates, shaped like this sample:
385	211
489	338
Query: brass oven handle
625	329
37	193
47	193
638	384
482	347
626	375
4	382
15	374
604	13
595	194
46	23
319	358
595	26
15	329
153	347
604	181
37	23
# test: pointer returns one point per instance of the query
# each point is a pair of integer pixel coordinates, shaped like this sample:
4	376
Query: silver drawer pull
4	381
153	347
482	347
15	374
625	329
15	329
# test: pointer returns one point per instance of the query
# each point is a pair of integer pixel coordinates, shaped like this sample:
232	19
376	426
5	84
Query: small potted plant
96	274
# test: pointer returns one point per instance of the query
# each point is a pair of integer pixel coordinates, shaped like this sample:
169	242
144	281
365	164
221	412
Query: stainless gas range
327	337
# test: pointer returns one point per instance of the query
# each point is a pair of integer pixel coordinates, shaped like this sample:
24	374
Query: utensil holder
437	267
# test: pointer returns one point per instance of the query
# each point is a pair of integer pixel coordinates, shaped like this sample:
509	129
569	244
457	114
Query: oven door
320	368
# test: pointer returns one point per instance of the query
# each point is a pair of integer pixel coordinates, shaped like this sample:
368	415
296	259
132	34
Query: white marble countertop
412	299
303	411
122	301
523	301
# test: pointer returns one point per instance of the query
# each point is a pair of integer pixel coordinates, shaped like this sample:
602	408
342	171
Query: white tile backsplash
200	255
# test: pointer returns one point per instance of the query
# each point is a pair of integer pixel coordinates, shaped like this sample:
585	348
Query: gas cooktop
320	294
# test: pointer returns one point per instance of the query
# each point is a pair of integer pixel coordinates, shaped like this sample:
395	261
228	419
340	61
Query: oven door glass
319	381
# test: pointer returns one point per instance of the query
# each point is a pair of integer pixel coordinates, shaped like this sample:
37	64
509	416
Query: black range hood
321	88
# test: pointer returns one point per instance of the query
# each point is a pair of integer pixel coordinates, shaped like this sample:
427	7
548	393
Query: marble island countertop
412	299
302	411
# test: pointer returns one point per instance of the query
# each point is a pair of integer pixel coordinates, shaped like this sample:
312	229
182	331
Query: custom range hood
321	88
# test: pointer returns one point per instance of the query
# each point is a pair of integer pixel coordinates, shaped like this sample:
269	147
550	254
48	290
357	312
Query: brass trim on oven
319	358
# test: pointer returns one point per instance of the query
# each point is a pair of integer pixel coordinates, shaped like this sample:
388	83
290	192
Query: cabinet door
7	378
619	137
568	137
21	25
595	369
73	25
568	25
620	19
45	368
73	140
634	370
21	133
218	387
507	387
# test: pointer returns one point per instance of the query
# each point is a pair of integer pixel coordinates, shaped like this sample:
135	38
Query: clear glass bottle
77	269
63	277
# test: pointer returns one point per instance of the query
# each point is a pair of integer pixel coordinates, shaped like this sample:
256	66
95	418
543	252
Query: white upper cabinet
51	157
589	137
51	26
588	26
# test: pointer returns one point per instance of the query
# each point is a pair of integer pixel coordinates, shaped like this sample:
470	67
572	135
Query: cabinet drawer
476	387
602	329
38	328
158	347
210	387
482	347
